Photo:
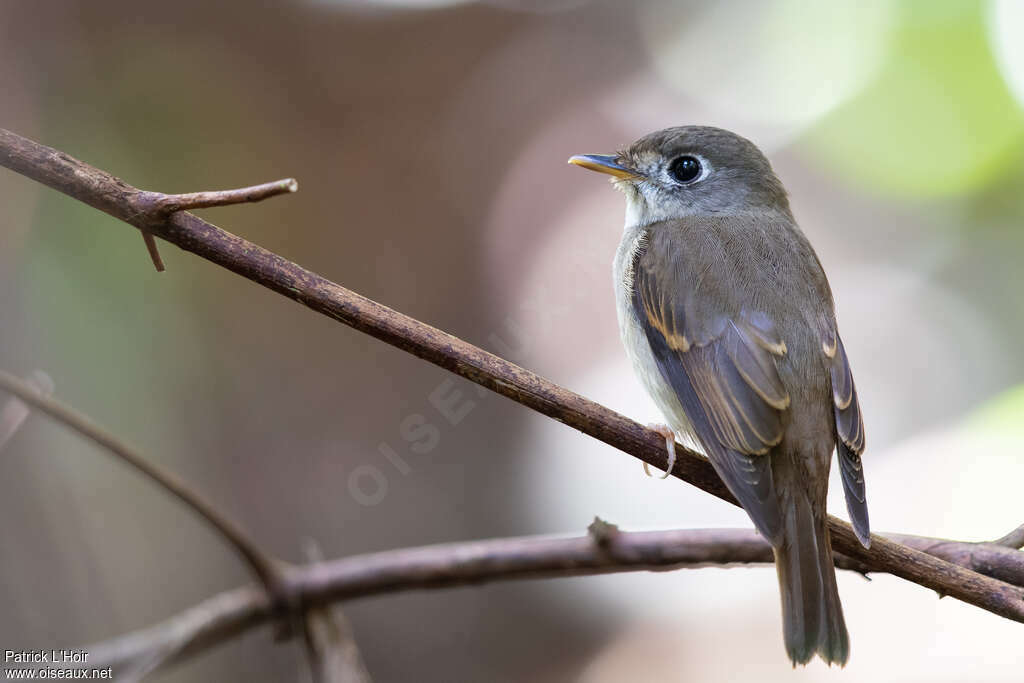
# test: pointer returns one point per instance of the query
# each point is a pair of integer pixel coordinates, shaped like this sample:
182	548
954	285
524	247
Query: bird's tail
812	616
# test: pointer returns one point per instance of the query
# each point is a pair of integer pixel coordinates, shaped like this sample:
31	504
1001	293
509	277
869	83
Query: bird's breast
638	349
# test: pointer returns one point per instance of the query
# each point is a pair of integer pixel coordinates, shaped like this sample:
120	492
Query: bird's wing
721	365
850	433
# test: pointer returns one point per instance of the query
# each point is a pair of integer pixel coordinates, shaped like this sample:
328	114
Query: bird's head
687	171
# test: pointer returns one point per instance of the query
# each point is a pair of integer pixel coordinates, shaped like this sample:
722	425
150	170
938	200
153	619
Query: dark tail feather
852	469
812	617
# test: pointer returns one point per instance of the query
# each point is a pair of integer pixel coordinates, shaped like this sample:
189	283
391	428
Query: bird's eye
685	169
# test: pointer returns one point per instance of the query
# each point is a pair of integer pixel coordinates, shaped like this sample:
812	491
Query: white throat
643	205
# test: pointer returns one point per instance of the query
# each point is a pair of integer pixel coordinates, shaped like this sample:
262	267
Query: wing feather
850	433
728	384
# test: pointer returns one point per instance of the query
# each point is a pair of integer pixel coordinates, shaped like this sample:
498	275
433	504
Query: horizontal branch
458	564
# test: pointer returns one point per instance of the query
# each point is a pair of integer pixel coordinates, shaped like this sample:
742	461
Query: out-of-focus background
429	138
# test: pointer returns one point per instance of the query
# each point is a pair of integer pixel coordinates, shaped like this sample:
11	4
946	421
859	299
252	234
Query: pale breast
638	349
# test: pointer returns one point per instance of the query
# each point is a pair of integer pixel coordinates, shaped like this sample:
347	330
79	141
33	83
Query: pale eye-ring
685	169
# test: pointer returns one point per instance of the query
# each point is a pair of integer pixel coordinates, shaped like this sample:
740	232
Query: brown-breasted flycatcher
728	318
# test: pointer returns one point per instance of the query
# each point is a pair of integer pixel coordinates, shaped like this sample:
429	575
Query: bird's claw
670	446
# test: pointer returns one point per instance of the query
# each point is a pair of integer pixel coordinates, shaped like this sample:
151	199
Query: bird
729	321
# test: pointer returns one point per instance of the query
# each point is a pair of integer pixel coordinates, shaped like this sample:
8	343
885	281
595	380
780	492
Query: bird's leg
670	445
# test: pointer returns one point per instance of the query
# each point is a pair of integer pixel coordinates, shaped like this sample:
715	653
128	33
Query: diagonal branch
112	195
14	412
266	569
441	566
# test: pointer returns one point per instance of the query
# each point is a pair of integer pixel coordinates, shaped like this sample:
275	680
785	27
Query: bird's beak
604	163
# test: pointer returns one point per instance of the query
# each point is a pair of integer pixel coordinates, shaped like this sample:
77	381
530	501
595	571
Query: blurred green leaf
1002	414
937	120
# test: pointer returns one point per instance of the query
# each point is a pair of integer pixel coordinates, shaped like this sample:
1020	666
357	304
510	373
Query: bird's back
730	266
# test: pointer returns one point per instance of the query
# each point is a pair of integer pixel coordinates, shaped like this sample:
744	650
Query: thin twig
1014	539
141	209
330	643
456	564
170	203
267	570
154	252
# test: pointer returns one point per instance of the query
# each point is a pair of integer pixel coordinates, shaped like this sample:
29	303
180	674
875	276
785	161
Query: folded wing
725	376
850	433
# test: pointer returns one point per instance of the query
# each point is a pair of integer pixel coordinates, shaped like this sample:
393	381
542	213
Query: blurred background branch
318	585
15	412
333	656
265	568
330	643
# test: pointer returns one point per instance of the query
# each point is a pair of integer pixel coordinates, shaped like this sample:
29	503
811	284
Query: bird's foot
670	445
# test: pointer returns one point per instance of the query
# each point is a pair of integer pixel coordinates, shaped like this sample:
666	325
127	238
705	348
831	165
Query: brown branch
331	648
1014	539
266	570
330	643
154	252
441	566
143	210
170	203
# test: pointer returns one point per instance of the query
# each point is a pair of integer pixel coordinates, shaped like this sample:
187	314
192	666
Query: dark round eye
685	169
